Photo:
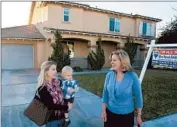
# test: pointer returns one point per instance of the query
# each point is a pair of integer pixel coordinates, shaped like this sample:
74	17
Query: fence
79	62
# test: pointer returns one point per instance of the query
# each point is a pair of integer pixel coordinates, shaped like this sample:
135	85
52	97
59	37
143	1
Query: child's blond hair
67	69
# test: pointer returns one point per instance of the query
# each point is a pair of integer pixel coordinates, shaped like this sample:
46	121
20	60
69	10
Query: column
143	51
92	44
120	46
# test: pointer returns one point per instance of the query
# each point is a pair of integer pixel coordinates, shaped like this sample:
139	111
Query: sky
163	10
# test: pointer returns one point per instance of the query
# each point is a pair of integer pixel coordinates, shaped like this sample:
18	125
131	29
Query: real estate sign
164	58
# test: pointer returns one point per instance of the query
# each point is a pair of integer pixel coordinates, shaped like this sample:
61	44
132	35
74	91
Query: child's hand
71	90
70	106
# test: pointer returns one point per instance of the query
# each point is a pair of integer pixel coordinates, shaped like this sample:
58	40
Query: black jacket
47	99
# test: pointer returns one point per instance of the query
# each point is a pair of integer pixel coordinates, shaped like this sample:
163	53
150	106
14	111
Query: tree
59	54
97	60
169	33
131	48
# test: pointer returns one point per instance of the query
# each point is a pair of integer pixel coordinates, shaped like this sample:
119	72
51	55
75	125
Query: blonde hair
67	69
45	66
124	59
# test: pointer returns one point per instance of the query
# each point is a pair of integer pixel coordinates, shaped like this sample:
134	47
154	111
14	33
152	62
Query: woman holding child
56	94
51	94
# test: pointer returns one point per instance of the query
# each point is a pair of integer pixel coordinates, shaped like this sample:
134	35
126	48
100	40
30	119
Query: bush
96	60
77	69
131	48
59	54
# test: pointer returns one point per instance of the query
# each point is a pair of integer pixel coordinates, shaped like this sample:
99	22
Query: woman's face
51	73
115	62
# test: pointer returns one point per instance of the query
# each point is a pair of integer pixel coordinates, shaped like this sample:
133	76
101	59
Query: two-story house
80	26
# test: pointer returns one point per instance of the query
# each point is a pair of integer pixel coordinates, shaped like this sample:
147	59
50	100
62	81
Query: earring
123	69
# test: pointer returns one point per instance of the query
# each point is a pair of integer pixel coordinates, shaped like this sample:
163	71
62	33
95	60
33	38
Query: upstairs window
114	25
66	12
146	29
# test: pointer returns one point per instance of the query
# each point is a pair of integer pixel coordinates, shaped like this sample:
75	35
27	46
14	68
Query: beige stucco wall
41	53
84	20
55	17
38	47
87	20
95	22
80	49
108	48
40	14
127	26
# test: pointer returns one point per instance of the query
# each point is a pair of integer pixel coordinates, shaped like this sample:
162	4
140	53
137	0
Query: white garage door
17	56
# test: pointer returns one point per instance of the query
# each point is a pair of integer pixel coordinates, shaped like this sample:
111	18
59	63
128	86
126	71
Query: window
66	14
114	25
147	29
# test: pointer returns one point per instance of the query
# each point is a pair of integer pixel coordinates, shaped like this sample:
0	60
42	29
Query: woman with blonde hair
50	94
120	88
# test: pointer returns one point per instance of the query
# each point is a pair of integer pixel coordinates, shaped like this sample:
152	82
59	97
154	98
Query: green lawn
159	91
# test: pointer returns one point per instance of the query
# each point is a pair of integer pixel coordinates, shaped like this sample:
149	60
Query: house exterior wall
87	21
80	49
84	20
108	48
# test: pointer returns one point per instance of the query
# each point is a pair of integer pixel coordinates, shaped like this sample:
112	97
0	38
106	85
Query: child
69	87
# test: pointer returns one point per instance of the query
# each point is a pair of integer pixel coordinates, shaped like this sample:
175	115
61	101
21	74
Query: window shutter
141	28
144	28
153	30
117	25
148	30
111	24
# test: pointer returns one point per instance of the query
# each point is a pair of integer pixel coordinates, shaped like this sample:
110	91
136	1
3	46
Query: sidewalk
167	121
86	111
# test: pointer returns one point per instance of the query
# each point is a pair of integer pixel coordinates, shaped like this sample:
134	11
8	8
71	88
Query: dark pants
116	120
55	123
71	100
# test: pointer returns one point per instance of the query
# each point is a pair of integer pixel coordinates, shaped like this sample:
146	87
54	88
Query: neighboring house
80	25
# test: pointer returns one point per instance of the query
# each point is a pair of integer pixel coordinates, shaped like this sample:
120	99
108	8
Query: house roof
64	31
22	32
88	7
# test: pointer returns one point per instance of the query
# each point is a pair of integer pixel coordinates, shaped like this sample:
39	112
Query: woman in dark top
49	92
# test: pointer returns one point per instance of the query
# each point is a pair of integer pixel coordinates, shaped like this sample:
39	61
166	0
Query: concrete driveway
15	77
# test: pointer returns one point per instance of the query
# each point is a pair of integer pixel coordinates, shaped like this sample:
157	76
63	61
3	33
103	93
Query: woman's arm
105	93
104	106
138	93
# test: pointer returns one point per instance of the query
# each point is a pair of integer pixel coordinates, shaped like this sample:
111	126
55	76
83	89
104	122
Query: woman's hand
138	120
104	116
